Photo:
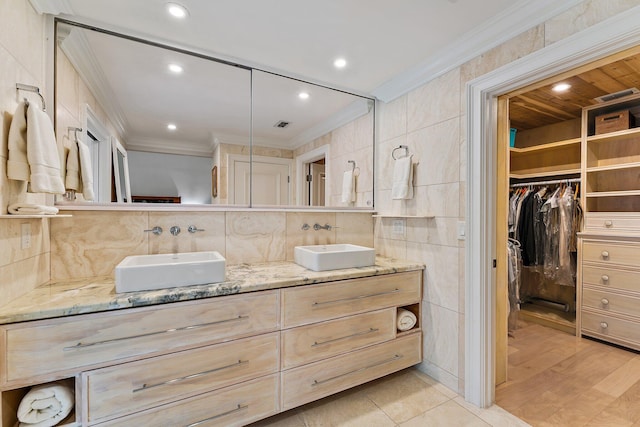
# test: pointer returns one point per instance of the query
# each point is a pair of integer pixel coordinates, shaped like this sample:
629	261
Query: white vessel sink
161	271
333	257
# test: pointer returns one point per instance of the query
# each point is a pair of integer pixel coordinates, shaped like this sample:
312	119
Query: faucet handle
155	230
175	230
193	229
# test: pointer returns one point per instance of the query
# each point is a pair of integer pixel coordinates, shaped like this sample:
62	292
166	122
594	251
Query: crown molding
79	53
51	7
168	146
504	26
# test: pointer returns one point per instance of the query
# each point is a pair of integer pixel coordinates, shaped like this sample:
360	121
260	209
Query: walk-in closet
568	228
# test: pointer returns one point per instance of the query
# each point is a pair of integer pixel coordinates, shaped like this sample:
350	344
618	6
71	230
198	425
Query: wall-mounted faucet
317	227
305	226
194	229
155	230
175	230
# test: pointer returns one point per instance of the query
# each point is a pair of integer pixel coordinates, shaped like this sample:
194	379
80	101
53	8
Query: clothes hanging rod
553	181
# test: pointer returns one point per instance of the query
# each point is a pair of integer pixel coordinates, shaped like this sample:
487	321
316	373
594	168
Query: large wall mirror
196	130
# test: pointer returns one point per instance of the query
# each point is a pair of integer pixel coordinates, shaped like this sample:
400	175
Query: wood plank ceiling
541	106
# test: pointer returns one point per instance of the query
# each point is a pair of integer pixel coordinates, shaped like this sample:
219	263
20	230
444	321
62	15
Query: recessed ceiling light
303	95
177	10
561	87
175	68
171	126
340	63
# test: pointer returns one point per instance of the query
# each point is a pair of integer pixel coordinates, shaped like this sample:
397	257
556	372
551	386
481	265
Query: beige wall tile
93	243
255	236
354	228
440	326
10	236
441	282
438	200
211	239
296	236
436	231
436	150
22	276
392	119
22	33
434	102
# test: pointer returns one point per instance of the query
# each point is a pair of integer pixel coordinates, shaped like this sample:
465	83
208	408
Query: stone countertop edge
97	294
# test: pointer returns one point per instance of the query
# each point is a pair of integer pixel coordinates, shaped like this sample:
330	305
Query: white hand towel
86	172
402	185
17	163
31	209
72	179
45	405
406	320
42	153
348	188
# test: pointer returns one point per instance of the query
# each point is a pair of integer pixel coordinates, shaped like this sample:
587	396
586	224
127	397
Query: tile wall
431	120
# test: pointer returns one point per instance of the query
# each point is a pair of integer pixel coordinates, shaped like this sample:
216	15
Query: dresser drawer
134	386
609	328
315	303
611	252
309	343
232	406
317	380
609	301
44	347
612	278
609	222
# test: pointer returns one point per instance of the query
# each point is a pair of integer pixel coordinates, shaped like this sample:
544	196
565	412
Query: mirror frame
176	47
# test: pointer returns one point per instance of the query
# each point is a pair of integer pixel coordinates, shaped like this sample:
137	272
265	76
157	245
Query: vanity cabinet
225	361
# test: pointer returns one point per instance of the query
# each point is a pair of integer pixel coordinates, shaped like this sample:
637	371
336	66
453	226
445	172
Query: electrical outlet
25	235
398	227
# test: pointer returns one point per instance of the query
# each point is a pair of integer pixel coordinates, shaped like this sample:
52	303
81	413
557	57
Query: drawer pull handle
81	345
395	291
605	254
604	325
189	377
239	408
605	278
605	301
357	334
608	223
355	371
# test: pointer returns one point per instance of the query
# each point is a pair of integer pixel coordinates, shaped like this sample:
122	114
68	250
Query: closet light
303	95
171	126
561	87
176	10
175	68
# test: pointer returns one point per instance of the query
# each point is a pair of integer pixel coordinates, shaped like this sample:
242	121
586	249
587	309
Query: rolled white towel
31	209
406	320
45	405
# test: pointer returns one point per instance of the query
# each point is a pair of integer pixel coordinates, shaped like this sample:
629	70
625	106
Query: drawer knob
605	278
605	301
604	325
605	254
608	223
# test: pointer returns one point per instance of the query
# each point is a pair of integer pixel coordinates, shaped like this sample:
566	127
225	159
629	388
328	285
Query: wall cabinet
221	361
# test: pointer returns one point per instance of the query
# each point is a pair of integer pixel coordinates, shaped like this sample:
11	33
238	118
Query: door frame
605	38
308	157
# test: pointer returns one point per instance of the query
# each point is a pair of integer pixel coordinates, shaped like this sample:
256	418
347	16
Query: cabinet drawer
609	301
608	222
609	328
43	347
309	343
232	406
310	304
132	387
611	278
317	380
611	252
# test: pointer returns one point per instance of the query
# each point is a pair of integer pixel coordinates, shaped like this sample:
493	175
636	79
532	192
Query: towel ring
400	147
75	132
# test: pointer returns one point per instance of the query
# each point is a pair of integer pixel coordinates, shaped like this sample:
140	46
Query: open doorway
312	177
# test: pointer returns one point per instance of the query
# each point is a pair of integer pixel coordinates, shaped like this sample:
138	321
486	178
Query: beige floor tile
446	415
349	409
404	396
494	415
286	419
433	383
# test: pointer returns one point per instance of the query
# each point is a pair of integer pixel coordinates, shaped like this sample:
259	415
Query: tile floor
408	398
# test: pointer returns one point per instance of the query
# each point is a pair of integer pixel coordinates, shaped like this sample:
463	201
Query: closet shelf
546	147
34	216
614	167
621	193
405	216
621	134
541	174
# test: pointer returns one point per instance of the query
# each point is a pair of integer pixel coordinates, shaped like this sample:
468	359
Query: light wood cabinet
217	361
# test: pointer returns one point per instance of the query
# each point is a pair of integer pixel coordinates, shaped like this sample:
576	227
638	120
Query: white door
317	184
270	182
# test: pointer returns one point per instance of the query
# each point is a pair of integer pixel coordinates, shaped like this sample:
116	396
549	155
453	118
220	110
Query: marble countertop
90	295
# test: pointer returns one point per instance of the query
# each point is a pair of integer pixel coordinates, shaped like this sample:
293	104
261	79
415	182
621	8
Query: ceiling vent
281	124
621	94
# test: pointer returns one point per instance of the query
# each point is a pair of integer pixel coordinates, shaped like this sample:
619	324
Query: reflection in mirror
121	172
296	153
